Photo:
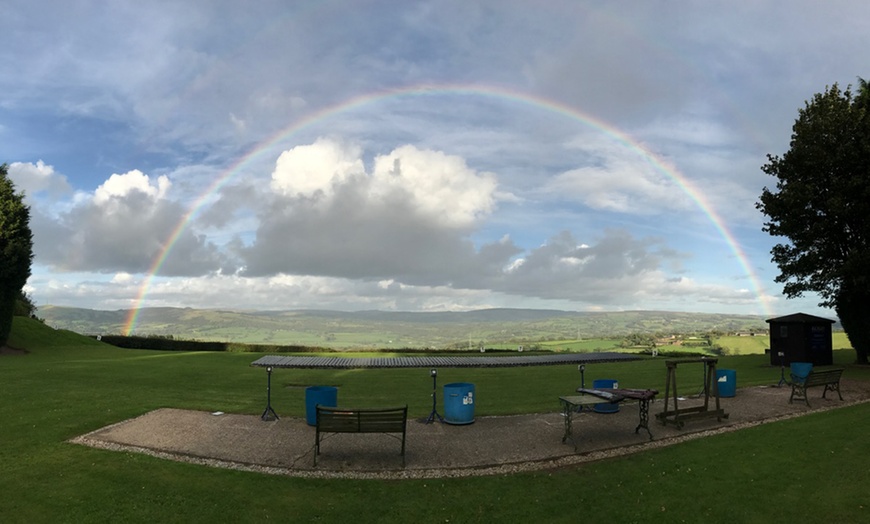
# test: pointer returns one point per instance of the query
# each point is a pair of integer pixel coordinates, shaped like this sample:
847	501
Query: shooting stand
678	416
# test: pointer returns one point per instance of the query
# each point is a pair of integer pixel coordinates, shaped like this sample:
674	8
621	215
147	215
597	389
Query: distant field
581	346
505	328
735	345
338	340
841	341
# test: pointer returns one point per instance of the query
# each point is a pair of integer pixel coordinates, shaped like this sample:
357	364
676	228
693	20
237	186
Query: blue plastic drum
605	383
459	403
726	381
314	395
800	370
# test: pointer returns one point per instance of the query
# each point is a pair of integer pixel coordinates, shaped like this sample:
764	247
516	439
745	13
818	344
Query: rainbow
535	101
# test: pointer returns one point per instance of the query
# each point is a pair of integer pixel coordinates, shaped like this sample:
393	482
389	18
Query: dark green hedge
171	344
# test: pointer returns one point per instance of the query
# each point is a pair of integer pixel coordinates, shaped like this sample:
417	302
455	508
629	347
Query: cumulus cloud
440	186
118	187
39	177
610	270
316	169
124	225
409	218
435	184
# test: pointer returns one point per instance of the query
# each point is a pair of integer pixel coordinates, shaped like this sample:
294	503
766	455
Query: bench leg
316	446
798	391
832	387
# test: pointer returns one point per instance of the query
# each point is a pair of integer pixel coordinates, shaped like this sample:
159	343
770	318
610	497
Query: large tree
822	207
16	250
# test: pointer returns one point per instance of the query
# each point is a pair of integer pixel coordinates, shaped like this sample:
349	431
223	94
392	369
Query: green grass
812	468
840	340
735	345
590	344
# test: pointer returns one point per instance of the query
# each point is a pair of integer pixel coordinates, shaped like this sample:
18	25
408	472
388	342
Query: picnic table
590	397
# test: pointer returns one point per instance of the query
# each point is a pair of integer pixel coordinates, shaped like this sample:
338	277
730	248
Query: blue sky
414	156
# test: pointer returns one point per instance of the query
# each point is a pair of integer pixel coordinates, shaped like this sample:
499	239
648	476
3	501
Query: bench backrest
826	376
367	420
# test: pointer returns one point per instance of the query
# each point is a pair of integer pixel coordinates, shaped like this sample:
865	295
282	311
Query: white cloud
125	225
39	177
432	183
316	169
408	219
617	178
439	185
118	187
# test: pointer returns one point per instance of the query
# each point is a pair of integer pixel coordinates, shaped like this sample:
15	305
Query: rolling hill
384	329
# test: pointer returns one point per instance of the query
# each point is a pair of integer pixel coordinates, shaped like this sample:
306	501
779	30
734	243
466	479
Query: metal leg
434	414
269	413
643	409
568	412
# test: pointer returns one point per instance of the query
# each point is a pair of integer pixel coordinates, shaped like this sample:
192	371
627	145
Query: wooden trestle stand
678	416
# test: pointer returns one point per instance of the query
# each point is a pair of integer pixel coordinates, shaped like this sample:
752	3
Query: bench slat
360	420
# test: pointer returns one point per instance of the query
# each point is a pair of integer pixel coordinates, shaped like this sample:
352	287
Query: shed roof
800	318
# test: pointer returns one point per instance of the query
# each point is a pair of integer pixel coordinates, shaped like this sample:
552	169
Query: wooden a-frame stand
678	416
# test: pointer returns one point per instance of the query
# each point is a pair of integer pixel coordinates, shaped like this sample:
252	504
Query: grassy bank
68	385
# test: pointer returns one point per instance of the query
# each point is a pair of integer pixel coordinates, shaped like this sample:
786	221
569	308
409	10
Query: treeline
169	343
173	344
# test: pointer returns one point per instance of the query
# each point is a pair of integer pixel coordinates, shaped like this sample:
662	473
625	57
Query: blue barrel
314	395
606	383
800	370
459	403
726	380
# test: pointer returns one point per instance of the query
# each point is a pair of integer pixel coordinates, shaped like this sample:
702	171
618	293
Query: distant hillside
384	329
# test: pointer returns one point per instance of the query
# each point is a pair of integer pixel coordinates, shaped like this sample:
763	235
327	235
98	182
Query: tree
822	206
24	306
16	250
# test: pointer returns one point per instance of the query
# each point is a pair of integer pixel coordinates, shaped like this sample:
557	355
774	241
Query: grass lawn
812	468
735	345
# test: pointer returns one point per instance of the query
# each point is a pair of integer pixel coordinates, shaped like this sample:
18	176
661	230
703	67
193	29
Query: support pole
432	416
269	413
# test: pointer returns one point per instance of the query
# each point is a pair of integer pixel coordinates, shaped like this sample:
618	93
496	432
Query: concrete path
489	445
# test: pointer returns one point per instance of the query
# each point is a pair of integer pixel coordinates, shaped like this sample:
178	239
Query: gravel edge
501	469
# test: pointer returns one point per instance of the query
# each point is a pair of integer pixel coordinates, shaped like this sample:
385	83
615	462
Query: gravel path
489	446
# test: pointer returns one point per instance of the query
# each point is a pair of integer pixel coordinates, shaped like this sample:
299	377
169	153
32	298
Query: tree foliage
16	250
25	306
821	205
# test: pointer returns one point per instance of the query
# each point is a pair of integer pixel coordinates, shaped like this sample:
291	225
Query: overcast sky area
411	156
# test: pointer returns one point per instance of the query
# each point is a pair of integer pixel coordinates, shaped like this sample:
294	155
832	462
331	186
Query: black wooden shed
801	338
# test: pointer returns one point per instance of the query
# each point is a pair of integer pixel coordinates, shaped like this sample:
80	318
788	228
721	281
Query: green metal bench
360	420
830	378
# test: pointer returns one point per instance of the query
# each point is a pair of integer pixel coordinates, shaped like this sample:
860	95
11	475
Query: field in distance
550	330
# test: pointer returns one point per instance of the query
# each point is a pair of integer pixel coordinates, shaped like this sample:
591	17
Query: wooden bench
830	378
360	420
